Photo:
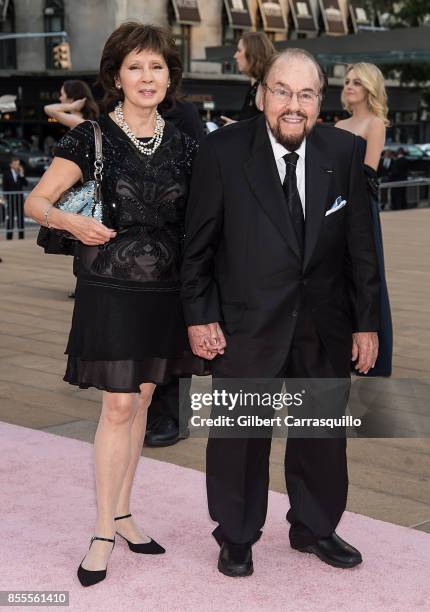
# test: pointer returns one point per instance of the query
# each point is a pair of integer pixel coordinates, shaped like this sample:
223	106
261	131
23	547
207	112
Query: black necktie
293	198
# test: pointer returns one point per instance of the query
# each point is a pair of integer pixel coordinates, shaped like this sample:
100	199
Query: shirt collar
279	150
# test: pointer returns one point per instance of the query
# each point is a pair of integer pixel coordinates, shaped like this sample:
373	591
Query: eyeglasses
304	98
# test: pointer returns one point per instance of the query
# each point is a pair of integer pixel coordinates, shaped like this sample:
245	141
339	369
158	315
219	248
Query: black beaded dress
127	325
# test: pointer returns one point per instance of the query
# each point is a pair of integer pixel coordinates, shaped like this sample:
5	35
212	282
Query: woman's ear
259	98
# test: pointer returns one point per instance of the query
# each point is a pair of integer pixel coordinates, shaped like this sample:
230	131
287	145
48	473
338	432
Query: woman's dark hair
76	90
135	36
258	51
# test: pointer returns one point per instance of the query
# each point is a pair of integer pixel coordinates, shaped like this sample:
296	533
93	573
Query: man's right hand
207	341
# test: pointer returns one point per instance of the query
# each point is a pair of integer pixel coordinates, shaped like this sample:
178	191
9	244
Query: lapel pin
329	171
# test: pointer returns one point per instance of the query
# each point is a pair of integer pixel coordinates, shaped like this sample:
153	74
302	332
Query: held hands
89	231
364	349
207	341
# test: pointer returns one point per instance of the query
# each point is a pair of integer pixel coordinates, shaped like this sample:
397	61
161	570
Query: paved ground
389	479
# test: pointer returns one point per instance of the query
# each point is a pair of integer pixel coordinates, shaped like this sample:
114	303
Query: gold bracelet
46	215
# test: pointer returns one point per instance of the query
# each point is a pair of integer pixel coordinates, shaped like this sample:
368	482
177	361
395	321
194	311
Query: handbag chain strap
98	162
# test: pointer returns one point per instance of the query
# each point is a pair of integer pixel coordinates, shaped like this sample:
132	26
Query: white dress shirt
279	151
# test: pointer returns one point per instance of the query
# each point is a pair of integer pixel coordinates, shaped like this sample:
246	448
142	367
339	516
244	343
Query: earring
168	83
118	86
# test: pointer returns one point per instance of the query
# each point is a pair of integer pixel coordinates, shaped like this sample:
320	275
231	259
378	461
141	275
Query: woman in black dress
128	332
254	50
365	98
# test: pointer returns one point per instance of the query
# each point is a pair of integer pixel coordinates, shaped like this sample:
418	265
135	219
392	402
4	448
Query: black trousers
237	469
398	198
166	402
14	212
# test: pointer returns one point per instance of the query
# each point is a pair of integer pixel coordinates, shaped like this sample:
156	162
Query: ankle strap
104	539
121	517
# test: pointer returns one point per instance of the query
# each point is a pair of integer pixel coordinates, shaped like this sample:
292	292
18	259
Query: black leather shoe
145	548
333	551
164	431
235	560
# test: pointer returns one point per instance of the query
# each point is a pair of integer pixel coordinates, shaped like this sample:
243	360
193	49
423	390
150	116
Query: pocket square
337	204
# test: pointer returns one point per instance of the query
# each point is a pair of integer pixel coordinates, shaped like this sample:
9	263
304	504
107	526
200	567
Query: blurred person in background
34	140
14	181
385	166
365	98
49	143
186	117
385	169
169	413
399	173
76	104
254	49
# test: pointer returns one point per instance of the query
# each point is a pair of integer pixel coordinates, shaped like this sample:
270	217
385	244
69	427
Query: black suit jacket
383	171
399	171
10	185
186	117
242	264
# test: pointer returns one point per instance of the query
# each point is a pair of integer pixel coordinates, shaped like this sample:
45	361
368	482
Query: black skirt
126	335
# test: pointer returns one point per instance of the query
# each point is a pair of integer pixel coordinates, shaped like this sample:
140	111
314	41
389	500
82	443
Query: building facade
88	23
27	69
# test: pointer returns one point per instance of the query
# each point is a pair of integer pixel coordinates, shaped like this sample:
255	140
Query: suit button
304	281
294	313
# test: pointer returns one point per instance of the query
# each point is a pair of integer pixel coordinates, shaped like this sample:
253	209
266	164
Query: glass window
182	34
260	26
230	38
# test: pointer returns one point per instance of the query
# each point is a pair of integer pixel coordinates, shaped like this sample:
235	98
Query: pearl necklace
147	148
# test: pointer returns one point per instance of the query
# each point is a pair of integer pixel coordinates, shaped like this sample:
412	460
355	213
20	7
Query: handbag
84	200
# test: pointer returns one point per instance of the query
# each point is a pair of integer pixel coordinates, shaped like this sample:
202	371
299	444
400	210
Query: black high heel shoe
90	577
150	548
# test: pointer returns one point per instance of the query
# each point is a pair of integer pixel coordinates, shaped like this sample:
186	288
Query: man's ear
259	96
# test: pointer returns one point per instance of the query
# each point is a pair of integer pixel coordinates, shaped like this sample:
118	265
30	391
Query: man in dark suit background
399	172
385	166
169	413
14	180
385	169
280	279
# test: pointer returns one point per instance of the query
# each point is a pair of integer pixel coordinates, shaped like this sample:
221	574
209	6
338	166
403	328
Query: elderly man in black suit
280	279
14	181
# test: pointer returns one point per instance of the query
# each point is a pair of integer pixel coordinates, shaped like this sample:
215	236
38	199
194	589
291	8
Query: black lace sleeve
78	146
191	146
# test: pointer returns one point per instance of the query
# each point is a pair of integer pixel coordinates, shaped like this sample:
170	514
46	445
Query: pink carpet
47	515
